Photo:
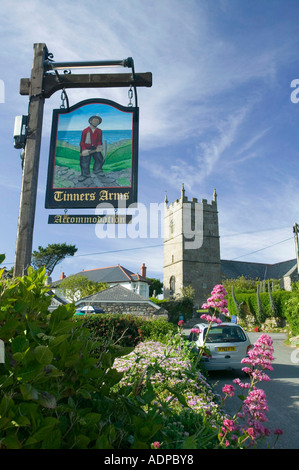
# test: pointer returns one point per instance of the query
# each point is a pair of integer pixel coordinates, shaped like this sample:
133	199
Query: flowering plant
195	330
248	421
216	303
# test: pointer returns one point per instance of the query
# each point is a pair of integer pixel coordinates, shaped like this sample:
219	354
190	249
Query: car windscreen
225	334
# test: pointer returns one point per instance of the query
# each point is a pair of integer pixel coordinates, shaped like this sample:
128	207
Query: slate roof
55	301
293	270
115	293
234	269
110	275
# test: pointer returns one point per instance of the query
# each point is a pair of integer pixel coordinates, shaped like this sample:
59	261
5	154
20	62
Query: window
225	334
172	285
171	227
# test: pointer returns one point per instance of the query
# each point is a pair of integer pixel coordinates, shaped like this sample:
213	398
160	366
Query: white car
227	343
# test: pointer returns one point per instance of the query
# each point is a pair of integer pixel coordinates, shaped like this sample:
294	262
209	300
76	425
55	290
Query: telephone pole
296	230
31	163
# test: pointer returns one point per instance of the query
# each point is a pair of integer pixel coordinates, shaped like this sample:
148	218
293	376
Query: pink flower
210	318
217	301
156	445
229	424
278	432
251	433
228	390
216	320
259	358
195	330
255	405
241	384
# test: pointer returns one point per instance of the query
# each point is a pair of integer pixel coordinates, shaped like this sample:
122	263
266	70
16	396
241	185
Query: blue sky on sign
222	113
112	118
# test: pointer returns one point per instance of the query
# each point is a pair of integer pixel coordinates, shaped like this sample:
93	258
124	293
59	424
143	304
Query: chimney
62	276
143	270
48	280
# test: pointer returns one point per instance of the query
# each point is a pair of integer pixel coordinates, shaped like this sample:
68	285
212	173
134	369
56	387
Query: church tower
191	247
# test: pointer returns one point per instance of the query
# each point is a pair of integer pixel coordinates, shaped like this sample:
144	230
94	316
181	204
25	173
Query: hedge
175	308
127	330
292	310
260	310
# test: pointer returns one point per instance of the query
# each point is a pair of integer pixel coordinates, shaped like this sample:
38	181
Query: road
282	392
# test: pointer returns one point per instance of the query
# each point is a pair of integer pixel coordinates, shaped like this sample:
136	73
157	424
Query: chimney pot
62	276
143	270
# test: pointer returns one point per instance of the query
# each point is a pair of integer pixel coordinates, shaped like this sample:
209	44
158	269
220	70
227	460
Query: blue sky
219	115
112	118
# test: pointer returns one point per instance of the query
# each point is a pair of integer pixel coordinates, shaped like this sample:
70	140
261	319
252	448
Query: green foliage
55	391
67	155
117	158
183	305
61	388
187	294
158	330
243	285
126	330
171	376
292	310
77	286
240	284
52	255
261	307
156	286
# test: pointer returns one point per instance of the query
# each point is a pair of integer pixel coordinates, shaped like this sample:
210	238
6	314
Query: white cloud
207	155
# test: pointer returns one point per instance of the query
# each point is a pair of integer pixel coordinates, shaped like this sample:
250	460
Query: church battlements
184	200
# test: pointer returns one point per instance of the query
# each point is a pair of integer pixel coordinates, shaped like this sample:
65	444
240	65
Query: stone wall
270	323
144	310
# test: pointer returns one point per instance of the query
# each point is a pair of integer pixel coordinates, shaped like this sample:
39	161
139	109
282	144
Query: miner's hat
95	117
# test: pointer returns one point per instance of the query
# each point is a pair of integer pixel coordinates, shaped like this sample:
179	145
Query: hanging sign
90	219
93	156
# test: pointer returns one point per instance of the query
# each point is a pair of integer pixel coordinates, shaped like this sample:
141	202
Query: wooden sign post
41	85
31	163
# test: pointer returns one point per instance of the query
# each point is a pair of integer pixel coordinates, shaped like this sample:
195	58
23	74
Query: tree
155	287
240	284
187	294
77	286
52	255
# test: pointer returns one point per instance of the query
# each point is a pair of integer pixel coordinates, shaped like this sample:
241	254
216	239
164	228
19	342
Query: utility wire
161	244
261	249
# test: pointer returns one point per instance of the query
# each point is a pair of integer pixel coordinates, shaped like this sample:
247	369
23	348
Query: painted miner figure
91	146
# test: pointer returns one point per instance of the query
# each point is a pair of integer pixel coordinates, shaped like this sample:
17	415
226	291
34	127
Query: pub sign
93	156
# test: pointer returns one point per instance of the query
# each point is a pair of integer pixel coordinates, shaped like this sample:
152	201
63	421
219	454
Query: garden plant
60	388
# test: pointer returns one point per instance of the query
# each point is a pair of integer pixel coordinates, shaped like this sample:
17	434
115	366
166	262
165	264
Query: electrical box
20	132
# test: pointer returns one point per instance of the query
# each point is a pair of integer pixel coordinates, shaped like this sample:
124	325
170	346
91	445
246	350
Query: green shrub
249	304
175	308
126	330
55	392
158	330
292	310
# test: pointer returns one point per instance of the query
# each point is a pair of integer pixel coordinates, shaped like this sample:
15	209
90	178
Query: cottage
115	275
118	299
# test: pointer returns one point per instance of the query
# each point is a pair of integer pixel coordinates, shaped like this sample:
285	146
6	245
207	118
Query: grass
118	158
